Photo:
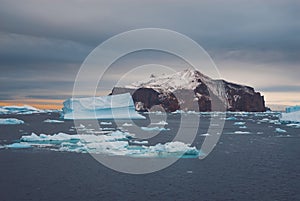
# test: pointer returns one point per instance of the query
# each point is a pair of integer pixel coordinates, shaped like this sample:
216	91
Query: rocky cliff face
191	90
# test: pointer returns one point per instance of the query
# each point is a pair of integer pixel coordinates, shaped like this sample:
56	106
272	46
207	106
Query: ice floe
279	130
242	132
156	128
53	121
127	124
18	146
11	121
161	123
239	123
105	123
115	143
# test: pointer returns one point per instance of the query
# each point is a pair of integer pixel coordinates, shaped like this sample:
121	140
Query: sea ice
105	123
154	128
279	130
53	121
242	132
119	106
127	124
231	118
10	121
161	123
114	143
239	123
18	146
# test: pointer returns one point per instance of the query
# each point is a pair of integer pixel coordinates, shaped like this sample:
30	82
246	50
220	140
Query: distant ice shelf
103	107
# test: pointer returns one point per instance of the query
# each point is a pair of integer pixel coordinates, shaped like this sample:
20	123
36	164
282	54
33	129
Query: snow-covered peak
187	79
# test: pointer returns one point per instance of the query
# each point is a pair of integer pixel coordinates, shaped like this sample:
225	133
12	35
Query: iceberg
119	106
290	117
292	109
11	121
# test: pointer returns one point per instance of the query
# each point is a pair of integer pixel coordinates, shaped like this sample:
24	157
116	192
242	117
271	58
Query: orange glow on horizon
38	103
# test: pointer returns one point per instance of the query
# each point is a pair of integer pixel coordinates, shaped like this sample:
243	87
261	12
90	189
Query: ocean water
253	160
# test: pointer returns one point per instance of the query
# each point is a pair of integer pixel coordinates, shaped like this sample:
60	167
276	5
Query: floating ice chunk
154	128
53	121
243	127
239	123
119	106
10	121
294	125
161	123
205	134
127	124
114	143
279	130
18	146
231	118
105	123
139	142
265	120
173	148
178	112
290	117
242	132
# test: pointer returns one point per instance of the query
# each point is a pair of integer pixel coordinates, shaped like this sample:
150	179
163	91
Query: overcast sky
44	42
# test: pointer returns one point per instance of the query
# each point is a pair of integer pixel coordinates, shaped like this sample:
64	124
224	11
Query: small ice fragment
53	121
11	121
18	146
105	123
154	129
127	124
241	132
161	123
231	118
205	134
239	123
139	142
279	130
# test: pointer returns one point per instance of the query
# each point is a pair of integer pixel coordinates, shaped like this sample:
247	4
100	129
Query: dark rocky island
191	90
